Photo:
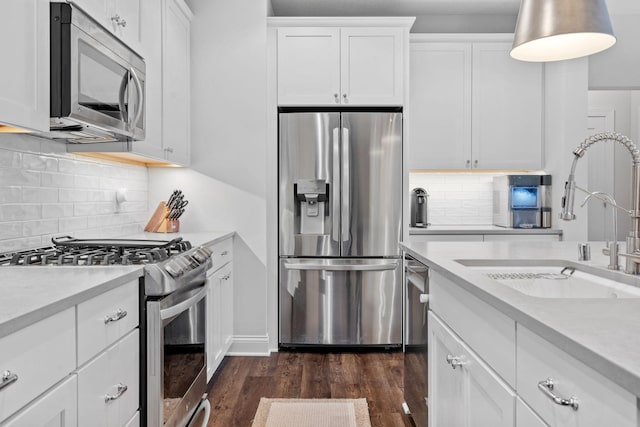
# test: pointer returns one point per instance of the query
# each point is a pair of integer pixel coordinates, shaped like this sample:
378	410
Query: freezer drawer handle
120	314
7	379
424	298
120	389
360	267
546	387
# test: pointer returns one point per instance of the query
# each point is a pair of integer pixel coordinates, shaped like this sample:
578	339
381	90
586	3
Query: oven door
176	357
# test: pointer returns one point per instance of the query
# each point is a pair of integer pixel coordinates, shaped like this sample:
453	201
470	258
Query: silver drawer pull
121	388
546	387
7	379
115	317
454	361
226	277
224	253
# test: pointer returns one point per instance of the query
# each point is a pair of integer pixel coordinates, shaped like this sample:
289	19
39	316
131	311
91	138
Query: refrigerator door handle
335	193
341	267
346	183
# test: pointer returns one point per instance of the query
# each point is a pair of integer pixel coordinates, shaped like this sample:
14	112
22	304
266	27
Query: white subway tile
10	230
10	195
10	159
39	195
10	177
36	228
85	209
39	163
73	195
68	225
19	212
57	210
85	181
57	180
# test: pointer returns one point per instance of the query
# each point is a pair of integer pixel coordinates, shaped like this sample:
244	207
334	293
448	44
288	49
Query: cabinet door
56	408
372	66
446	385
128	28
24	76
440	101
507	107
176	57
226	296
308	66
214	326
525	417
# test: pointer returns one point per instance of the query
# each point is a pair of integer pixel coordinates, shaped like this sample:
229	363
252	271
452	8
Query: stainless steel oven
176	357
97	82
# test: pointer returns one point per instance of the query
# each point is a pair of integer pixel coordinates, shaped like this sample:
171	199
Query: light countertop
32	293
480	229
602	333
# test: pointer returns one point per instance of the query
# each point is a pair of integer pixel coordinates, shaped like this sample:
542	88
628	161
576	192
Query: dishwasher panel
416	345
340	302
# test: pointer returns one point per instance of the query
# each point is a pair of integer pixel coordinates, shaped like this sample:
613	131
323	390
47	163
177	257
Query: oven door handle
178	308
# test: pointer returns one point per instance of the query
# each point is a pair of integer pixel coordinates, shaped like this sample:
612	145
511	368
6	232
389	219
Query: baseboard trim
249	345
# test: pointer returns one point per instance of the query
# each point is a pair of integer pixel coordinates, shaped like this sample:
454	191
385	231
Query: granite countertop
480	229
32	293
602	333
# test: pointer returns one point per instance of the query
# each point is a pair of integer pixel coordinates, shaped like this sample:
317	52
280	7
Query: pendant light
552	30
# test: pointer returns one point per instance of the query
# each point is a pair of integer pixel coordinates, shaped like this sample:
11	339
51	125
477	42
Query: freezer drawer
340	302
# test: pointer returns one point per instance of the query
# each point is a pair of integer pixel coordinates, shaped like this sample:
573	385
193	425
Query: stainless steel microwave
97	82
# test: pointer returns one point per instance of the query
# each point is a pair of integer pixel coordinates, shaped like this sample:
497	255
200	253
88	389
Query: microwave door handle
140	93
121	98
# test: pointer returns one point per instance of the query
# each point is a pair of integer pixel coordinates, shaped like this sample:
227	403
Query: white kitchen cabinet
473	106
465	391
219	311
121	17
525	417
24	76
56	408
329	65
168	106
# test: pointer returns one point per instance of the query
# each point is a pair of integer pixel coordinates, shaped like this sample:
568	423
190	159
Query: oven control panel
182	263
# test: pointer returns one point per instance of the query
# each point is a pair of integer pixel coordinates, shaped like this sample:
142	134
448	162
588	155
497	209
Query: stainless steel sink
555	279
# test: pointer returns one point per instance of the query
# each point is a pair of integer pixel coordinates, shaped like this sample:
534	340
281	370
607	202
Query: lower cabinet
56	408
464	390
219	315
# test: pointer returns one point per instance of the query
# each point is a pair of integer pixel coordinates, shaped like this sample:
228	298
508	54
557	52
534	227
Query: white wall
46	192
226	187
617	67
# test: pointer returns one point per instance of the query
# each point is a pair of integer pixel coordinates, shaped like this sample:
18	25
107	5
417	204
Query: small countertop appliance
522	201
419	208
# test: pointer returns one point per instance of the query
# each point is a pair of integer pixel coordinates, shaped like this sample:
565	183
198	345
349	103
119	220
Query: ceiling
416	7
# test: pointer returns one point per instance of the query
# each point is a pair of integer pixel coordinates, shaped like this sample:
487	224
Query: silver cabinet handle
116	18
344	95
224	253
475	164
7	379
454	361
336	98
121	388
122	23
468	164
424	298
226	277
546	387
120	314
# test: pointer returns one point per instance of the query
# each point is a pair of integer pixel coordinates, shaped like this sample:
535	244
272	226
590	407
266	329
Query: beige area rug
312	413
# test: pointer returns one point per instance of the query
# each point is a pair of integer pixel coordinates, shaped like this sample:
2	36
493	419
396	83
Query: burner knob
173	268
202	253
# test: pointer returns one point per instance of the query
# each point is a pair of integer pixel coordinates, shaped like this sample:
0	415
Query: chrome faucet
633	239
612	247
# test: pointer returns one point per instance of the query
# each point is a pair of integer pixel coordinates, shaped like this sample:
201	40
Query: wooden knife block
159	223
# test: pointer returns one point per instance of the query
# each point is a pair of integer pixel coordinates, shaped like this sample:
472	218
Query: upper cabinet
336	62
24	77
473	106
121	17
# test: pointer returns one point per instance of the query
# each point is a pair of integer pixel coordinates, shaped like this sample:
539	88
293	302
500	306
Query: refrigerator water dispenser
311	195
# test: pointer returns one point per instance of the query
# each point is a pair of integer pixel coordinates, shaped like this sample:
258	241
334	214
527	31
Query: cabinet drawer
222	254
56	408
490	333
525	417
106	318
40	355
600	402
100	382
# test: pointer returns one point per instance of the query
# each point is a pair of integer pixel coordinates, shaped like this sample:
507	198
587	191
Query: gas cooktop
69	251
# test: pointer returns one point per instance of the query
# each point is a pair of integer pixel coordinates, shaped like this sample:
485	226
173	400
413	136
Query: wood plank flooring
237	387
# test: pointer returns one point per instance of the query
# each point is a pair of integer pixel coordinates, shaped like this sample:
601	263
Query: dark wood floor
237	387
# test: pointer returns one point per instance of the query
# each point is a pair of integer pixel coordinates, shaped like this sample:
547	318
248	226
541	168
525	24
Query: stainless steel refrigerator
340	222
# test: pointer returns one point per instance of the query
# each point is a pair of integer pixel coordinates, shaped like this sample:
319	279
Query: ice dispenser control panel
311	195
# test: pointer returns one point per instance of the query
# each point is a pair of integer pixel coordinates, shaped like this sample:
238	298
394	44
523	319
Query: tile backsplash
46	192
457	198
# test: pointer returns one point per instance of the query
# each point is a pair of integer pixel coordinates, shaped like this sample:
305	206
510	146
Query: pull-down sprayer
633	239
